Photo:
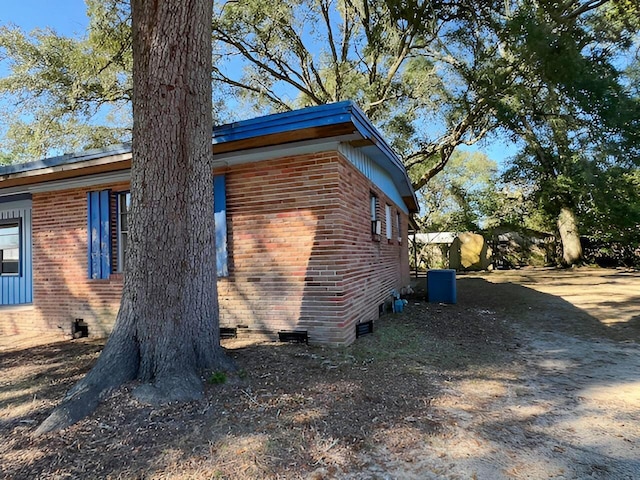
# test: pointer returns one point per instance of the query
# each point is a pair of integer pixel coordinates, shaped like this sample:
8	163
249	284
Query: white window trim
120	265
389	225
18	223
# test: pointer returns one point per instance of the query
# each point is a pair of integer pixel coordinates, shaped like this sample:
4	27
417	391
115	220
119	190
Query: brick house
312	210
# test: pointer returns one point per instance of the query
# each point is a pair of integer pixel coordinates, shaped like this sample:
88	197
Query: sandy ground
568	406
533	374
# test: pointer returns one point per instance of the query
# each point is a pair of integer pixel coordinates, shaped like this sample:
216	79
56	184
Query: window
398	224
375	223
124	204
10	248
389	226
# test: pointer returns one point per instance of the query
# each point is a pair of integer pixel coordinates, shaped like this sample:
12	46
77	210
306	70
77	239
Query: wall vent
364	328
79	328
294	336
228	332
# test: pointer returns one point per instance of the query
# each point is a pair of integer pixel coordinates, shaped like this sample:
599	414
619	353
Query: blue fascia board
317	116
66	159
320	116
243	132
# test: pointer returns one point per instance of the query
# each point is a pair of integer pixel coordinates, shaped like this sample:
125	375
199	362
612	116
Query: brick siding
301	254
62	290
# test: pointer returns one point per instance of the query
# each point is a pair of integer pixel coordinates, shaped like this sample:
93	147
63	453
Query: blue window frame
10	234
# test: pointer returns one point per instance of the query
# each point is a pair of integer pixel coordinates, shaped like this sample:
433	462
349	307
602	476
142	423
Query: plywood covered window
99	229
220	218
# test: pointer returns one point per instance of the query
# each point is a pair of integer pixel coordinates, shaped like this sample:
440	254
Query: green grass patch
217	378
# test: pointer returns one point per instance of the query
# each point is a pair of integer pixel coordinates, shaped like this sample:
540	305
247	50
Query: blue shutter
220	219
99	241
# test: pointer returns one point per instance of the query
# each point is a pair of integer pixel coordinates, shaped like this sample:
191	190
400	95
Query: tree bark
570	237
166	331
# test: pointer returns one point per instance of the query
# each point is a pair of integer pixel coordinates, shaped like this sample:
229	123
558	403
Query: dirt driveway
533	374
568	406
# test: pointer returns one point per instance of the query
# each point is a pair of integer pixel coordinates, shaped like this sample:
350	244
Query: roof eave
323	121
64	168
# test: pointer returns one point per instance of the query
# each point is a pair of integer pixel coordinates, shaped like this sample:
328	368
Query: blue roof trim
340	113
318	116
368	131
66	159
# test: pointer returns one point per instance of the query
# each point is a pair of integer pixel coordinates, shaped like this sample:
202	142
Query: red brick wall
17	319
302	254
62	290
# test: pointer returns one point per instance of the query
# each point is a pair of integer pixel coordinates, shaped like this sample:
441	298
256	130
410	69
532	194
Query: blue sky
67	17
64	16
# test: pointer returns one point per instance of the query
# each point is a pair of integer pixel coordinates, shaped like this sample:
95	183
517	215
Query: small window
124	205
10	248
387	212
374	207
398	225
375	222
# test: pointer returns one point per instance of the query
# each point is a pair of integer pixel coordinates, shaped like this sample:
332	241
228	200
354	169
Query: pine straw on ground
290	411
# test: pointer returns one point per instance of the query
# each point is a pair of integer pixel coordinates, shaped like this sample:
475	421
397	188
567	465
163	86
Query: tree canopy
560	78
458	197
67	94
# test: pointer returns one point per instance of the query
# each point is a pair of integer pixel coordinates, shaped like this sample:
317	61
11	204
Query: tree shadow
509	366
524	305
38	376
570	407
59	298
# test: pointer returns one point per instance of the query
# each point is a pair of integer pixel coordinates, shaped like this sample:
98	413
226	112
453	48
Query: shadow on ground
500	385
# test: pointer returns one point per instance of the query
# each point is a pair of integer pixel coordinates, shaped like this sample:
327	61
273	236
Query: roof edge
323	121
66	159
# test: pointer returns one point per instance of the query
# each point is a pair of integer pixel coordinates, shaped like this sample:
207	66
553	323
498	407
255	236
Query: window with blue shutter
220	218
99	241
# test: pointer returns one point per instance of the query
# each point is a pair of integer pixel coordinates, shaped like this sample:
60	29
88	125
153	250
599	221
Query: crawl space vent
228	332
364	328
294	336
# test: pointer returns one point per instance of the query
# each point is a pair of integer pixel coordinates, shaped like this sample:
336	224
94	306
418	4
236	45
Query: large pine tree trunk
570	237
166	331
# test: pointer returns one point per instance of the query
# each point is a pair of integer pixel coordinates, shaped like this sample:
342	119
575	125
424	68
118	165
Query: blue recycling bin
441	286
398	306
